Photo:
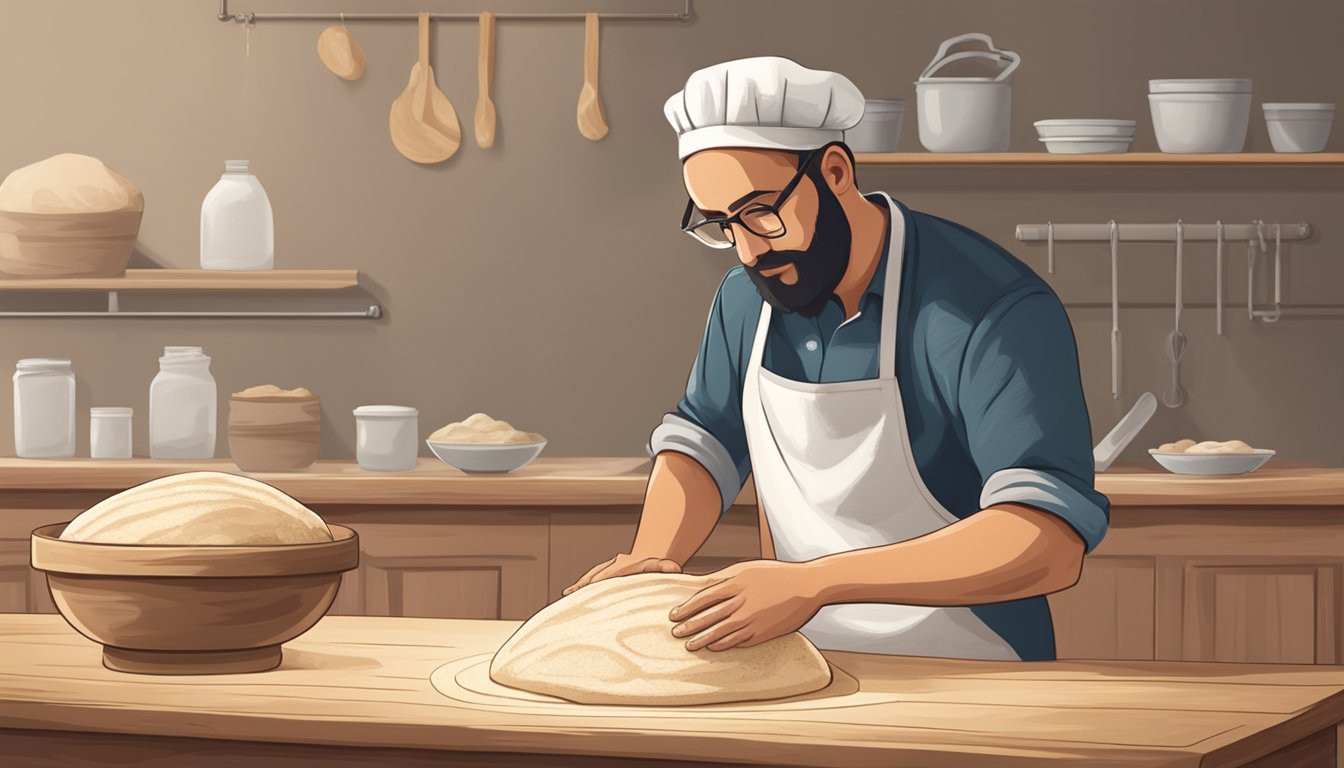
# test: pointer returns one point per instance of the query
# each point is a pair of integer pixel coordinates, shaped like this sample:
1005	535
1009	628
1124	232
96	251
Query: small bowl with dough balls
480	443
195	573
1210	457
67	216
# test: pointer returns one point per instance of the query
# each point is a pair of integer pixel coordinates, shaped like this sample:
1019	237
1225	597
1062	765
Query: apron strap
891	290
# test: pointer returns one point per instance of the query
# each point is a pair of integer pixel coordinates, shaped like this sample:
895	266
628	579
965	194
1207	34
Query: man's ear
837	170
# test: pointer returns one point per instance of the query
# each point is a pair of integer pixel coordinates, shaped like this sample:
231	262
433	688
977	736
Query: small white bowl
1077	145
1212	463
473	457
1299	127
1079	128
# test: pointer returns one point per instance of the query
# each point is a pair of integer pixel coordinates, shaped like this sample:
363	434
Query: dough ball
1237	446
611	643
481	429
1180	446
208	508
69	183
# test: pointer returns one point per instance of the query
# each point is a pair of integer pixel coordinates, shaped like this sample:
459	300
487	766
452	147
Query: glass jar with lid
44	408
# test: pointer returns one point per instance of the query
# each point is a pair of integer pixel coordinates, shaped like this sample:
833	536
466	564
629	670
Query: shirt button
811	345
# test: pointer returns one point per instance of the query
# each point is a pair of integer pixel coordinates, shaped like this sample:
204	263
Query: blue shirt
988	370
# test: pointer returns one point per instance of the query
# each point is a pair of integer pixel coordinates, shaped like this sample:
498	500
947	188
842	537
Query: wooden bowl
274	434
192	610
47	245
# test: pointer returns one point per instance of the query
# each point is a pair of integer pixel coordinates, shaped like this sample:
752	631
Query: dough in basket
611	643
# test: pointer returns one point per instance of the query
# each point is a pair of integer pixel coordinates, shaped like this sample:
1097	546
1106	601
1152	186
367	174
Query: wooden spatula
422	122
485	72
337	49
592	120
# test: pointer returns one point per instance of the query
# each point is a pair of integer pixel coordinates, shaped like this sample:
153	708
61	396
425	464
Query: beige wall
544	281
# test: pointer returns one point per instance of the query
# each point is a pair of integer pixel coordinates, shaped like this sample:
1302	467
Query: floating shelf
1122	158
197	280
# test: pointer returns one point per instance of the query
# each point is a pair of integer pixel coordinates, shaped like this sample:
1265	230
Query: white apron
834	473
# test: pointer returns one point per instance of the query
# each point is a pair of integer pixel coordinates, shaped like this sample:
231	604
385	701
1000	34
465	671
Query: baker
904	391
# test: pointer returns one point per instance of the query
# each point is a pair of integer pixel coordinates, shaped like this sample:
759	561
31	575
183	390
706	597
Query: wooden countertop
356	681
587	482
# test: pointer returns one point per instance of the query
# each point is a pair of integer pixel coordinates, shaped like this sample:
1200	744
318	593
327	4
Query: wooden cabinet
435	563
1238	585
1207	581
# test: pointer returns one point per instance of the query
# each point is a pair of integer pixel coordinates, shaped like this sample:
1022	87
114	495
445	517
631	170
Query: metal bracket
250	17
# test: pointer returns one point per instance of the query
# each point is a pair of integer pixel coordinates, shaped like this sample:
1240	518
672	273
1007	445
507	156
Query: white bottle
44	408
237	226
182	402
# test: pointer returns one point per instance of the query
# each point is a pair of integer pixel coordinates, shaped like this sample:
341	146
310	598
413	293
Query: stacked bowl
1085	135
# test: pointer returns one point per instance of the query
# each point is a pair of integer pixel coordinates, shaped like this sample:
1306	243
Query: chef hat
768	102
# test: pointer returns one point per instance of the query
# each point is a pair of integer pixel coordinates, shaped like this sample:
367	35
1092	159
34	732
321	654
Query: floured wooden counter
412	692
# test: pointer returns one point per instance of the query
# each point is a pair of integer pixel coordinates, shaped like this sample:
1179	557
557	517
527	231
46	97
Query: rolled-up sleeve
707	423
1026	424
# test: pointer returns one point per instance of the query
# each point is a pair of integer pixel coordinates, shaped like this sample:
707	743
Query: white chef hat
768	102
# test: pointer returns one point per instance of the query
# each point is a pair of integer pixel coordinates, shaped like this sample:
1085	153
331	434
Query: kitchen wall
545	281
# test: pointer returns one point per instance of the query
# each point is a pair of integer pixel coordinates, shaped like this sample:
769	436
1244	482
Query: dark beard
820	267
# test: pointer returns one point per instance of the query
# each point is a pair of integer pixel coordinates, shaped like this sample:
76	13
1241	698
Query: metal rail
250	17
372	312
1154	233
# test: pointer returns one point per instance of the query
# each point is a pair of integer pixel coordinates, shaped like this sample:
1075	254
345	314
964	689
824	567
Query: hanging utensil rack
1255	234
250	17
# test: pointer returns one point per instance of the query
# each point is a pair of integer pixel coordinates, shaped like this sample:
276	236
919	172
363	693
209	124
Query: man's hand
747	604
624	565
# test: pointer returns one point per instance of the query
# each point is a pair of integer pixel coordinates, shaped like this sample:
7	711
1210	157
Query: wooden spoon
592	120
422	122
485	73
339	51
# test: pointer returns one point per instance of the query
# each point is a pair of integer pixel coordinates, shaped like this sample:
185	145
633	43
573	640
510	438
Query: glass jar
387	437
44	408
110	433
182	406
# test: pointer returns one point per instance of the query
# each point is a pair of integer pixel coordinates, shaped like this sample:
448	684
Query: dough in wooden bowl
199	508
611	643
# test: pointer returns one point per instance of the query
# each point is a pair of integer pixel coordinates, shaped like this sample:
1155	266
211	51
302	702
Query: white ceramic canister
387	437
966	114
880	128
182	406
44	408
237	224
110	433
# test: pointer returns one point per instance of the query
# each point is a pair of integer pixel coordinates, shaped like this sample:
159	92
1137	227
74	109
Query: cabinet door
1109	613
453	564
1255	609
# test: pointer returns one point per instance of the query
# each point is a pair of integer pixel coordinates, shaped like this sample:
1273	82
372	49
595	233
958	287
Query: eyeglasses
759	219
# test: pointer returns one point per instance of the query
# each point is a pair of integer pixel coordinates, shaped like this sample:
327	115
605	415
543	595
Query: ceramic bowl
475	457
1212	463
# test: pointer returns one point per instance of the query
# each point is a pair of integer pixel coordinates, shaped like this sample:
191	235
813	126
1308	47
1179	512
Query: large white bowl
1212	463
486	458
1071	145
1192	123
1079	128
1299	127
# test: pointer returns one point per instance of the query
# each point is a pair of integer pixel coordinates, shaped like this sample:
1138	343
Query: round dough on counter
69	183
209	508
611	643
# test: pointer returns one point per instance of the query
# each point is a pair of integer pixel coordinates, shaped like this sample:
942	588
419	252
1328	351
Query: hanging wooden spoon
592	120
339	51
422	122
485	73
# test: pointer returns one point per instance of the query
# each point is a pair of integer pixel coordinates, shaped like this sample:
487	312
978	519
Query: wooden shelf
197	280
1124	158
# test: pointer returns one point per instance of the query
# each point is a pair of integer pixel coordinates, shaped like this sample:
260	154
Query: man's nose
749	247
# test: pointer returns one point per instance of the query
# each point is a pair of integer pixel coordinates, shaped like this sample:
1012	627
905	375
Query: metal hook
1218	279
1050	247
1274	315
1115	310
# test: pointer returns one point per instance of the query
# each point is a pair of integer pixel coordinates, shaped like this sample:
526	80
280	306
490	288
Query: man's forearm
681	508
1002	553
